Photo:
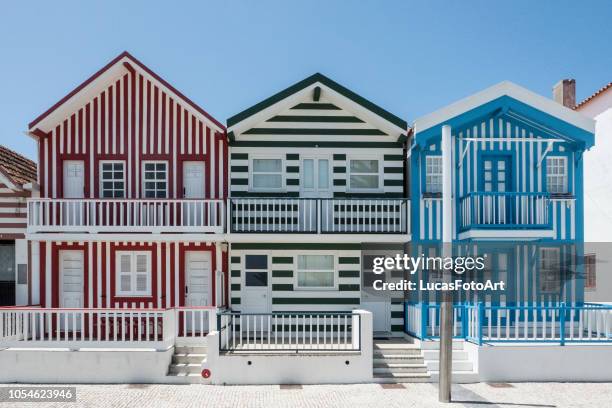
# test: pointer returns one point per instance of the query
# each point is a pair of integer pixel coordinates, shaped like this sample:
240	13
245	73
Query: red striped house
17	175
131	211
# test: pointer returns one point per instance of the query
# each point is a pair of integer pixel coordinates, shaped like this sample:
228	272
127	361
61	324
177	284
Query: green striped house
317	173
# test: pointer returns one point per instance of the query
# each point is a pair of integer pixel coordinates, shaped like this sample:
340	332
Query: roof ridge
592	96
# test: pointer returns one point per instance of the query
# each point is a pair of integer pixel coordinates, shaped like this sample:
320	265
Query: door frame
210	276
243	285
61	275
316	158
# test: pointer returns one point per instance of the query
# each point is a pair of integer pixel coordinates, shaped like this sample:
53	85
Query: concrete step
188	358
435	355
399	360
185	368
459	377
395	346
397	352
460	365
190	349
401	377
400	368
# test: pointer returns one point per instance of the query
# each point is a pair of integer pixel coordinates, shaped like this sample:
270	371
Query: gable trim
307	82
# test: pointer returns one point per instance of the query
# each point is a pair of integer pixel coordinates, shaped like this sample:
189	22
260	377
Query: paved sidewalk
539	395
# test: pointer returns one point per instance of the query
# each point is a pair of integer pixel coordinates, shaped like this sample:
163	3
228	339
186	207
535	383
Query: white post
218	272
446	308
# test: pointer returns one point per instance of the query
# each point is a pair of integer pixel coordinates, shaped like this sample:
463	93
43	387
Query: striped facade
316	119
12	212
528	172
126	113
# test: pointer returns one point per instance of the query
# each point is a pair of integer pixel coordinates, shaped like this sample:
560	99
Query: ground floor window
315	272
133	273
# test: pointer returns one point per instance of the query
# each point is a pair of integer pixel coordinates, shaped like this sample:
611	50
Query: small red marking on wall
206	373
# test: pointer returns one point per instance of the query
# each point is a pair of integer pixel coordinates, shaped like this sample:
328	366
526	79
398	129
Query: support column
218	274
446	308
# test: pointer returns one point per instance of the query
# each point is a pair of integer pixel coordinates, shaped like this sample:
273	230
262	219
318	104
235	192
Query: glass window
323	173
112	180
133	273
433	174
590	281
155	180
550	270
308	173
267	174
364	174
256	273
315	271
556	175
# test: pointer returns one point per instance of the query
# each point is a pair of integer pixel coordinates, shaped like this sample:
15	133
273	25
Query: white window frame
144	181
427	174
565	184
133	274
296	285
114	180
283	174
380	162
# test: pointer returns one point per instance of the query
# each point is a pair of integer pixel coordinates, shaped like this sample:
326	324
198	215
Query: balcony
528	213
320	215
126	215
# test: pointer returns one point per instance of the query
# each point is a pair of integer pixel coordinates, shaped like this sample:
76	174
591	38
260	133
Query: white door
316	177
71	279
74	187
255	290
198	283
193	188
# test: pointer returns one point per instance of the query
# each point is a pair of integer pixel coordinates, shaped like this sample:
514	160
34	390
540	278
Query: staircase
399	361
186	365
463	368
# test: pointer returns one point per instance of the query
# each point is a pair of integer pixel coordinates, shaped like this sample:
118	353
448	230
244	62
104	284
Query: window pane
323	173
315	262
141	282
125	283
316	279
364	166
267	165
364	181
141	263
309	173
126	263
267	181
256	278
256	261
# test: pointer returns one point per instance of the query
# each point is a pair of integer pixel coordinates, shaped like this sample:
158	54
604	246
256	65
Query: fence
289	332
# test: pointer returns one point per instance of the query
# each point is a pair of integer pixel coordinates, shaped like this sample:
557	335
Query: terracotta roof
590	98
17	168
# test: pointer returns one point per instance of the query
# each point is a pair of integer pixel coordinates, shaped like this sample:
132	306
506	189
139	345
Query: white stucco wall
74	367
598	172
295	368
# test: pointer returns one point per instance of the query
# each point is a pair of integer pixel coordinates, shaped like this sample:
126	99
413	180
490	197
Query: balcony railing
315	215
508	210
125	215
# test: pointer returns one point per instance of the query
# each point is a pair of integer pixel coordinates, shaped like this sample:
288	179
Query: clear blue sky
409	57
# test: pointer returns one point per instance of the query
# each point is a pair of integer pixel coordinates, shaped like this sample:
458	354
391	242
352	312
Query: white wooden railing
129	215
195	322
510	210
75	328
293	332
310	215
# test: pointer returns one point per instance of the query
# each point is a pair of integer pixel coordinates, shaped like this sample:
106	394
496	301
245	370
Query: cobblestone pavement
539	395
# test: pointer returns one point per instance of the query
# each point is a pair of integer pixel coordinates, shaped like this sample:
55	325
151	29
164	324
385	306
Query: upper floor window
112	180
155	179
364	174
133	273
556	175
315	272
267	174
433	174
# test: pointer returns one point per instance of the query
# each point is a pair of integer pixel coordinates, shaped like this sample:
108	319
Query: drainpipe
446	308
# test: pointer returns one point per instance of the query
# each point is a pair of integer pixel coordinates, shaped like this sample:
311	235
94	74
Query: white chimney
564	92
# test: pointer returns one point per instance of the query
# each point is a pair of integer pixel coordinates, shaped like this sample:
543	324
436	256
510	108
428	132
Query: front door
193	189
255	290
71	279
496	177
316	180
198	279
74	187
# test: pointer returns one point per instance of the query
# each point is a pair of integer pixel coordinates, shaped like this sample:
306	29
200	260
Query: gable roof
504	97
313	79
121	63
18	169
595	94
